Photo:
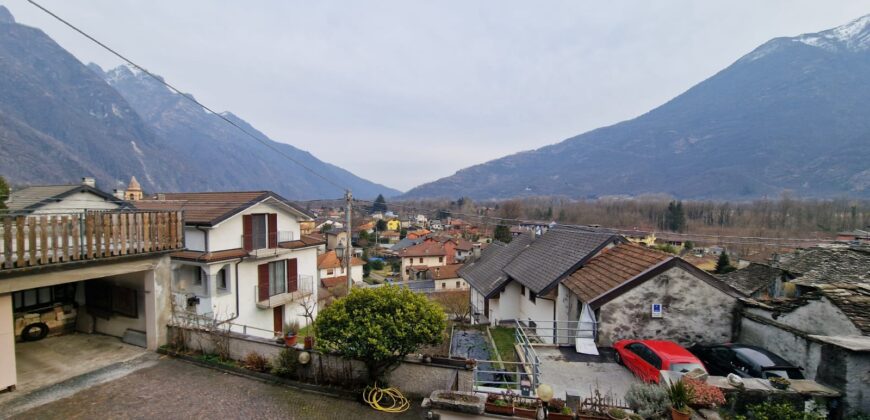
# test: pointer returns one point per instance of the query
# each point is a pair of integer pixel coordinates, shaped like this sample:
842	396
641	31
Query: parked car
647	358
745	361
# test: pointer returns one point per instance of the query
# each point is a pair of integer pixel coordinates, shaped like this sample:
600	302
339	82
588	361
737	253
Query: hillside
61	120
791	115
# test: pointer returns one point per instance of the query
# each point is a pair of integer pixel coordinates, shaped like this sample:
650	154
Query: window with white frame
277	278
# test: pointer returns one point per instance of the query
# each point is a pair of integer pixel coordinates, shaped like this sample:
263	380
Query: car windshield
686	367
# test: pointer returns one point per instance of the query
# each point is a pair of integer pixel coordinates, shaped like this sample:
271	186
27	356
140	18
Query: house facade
333	272
419	261
562	285
51	199
246	260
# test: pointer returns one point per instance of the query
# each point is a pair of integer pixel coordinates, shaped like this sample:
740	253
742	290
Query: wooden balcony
41	240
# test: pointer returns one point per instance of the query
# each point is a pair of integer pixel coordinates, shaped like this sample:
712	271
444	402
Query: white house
333	272
70	198
575	283
419	261
246	260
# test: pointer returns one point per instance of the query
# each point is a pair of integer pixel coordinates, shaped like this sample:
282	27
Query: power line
188	97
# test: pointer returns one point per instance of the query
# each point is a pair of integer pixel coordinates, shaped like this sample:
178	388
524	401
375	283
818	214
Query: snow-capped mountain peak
854	36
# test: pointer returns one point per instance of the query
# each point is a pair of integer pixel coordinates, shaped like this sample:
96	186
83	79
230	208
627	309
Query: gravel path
173	389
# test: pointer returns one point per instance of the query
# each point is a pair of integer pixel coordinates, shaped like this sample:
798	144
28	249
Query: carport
90	283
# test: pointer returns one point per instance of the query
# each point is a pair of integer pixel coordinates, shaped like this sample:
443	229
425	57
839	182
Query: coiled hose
388	400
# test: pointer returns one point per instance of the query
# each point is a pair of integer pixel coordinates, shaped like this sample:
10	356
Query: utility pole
348	260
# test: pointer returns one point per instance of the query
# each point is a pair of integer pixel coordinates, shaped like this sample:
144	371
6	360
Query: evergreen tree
381	225
723	264
366	265
675	218
4	192
380	204
502	234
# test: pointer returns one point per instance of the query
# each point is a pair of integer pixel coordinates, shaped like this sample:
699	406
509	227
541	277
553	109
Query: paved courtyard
172	389
578	374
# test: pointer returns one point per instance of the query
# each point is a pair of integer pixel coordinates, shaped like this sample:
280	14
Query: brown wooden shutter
273	230
263	282
292	273
247	232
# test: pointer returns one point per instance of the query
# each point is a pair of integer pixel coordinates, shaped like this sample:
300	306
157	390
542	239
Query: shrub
377	265
379	326
703	395
256	362
647	400
779	411
680	396
285	363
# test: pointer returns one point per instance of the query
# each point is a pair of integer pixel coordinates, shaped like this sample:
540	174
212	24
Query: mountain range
790	115
61	120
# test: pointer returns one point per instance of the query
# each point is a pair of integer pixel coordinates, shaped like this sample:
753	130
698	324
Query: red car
647	358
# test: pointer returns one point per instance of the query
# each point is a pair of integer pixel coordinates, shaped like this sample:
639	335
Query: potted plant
526	407
558	410
617	413
704	395
291	331
680	396
779	383
500	404
309	342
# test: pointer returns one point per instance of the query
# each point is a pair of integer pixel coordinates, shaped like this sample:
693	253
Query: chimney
161	196
475	250
89	181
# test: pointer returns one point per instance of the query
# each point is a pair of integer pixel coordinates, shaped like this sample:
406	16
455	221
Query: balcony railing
286	293
39	240
255	241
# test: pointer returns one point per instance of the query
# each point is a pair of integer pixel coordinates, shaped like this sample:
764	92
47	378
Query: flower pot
309	342
290	340
504	410
526	413
680	415
559	416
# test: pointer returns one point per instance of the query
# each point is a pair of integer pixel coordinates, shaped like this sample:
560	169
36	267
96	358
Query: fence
558	332
38	240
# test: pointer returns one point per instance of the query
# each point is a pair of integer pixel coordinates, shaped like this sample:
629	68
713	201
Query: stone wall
694	311
415	379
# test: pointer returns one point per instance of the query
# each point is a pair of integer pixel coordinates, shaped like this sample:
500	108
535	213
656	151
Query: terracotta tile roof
464	245
304	241
425	249
330	260
450	271
612	268
210	208
331	282
228	254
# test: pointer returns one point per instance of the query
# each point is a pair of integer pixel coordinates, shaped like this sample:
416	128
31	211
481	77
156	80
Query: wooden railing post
43	240
31	239
7	242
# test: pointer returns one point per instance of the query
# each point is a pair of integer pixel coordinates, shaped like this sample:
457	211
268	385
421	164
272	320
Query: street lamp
339	250
545	393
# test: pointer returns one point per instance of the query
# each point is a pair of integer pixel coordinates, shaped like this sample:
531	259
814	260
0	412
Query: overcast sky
405	92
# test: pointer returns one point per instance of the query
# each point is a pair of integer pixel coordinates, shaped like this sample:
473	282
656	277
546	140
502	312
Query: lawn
504	343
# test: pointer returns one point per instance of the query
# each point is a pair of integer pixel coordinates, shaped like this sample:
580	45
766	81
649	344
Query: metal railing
262	240
291	289
208	323
528	353
558	332
42	239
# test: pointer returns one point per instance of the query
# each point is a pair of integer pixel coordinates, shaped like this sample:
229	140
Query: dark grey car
744	361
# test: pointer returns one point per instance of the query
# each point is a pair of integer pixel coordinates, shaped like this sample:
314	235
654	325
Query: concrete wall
194	239
451	284
414	379
7	344
794	348
819	317
508	303
228	234
694	311
540	312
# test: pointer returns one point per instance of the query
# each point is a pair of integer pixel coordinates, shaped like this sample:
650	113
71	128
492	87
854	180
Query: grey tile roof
823	265
487	274
555	255
752	278
405	243
31	198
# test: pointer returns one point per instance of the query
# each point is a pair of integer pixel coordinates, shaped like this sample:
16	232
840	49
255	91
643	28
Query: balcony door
259	231
278	319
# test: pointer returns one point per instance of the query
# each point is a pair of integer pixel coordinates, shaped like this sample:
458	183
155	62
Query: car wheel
34	332
617	358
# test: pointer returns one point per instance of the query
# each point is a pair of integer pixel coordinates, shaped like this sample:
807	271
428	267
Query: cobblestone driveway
174	389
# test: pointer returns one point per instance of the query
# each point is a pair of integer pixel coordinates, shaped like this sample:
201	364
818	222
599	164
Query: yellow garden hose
388	400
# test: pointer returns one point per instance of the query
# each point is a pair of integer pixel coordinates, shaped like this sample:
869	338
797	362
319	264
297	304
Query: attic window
532	296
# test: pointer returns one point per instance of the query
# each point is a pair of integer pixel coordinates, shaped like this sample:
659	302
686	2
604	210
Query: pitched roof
487	274
405	243
853	300
612	268
425	249
211	208
449	271
752	278
823	265
330	260
304	241
32	198
331	282
556	254
464	245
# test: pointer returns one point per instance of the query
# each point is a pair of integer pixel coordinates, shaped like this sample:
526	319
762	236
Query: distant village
556	298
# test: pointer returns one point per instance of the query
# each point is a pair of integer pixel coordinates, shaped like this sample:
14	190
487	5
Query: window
522	290
277	278
330	272
222	280
421	260
199	278
440	259
444	285
457	284
43	297
532	296
259	231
